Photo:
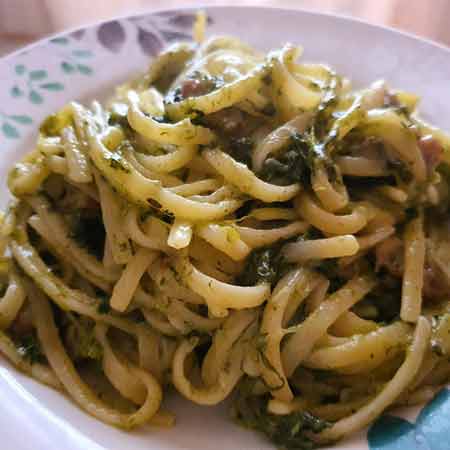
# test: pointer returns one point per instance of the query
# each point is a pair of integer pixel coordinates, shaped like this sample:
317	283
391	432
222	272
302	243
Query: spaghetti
233	221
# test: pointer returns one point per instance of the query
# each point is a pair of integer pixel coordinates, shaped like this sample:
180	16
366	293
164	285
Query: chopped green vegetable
295	164
80	339
290	432
325	110
264	264
196	116
116	160
158	211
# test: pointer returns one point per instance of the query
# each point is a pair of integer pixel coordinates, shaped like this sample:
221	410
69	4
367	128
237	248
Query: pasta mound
233	221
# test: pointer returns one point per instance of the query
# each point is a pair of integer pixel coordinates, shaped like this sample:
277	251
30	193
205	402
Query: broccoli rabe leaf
264	264
295	164
323	119
291	431
306	151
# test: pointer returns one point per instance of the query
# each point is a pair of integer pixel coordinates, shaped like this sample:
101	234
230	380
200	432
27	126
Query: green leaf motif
10	131
20	69
16	91
36	75
35	97
85	70
82	53
60	40
55	86
67	67
22	119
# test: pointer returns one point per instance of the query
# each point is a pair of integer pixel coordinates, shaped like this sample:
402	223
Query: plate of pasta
213	236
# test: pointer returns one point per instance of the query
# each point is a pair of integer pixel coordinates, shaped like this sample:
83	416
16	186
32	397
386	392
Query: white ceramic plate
85	64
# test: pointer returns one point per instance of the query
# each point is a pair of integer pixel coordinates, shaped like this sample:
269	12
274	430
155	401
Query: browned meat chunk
194	88
389	255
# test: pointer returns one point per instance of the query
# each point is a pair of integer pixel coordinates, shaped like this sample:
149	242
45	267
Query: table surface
23	21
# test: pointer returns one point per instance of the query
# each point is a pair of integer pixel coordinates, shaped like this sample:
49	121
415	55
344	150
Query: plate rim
203	6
